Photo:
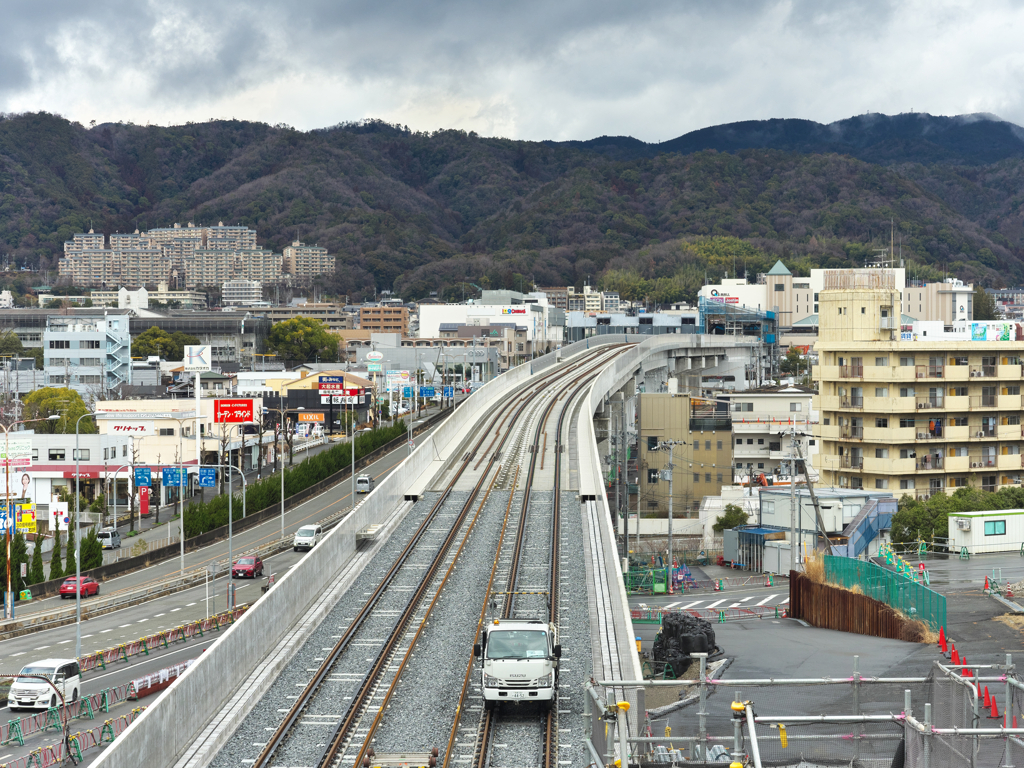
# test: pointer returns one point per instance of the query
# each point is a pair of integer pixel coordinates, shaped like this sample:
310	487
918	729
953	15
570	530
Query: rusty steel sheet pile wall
173	720
831	607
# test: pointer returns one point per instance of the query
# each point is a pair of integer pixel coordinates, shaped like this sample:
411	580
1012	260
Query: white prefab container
1000	530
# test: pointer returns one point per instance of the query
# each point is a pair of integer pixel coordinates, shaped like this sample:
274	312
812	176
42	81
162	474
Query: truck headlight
490	682
544	682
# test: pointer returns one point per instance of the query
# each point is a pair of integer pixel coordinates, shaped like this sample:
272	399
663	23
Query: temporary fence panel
915	601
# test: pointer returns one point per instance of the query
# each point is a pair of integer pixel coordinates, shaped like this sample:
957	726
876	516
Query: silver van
109	538
33	693
307	537
364	484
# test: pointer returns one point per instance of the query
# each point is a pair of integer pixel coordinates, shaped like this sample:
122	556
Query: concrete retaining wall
173	720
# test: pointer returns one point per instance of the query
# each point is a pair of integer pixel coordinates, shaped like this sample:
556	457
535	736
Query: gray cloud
530	69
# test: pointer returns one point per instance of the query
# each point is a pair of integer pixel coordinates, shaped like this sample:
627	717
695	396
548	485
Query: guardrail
15	731
718	615
78	743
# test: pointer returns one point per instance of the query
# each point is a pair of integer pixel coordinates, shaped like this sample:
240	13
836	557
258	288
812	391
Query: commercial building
384	318
766	422
235	337
702	457
794	299
545	324
917	409
582	325
333	316
91	354
241	293
511	339
304	262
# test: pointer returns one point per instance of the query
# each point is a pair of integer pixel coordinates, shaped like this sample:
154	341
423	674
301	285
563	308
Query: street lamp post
8	595
78	540
281	413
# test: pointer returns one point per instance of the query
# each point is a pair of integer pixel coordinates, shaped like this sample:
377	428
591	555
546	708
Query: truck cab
519	661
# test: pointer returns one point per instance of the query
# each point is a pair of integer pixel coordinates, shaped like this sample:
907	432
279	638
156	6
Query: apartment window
743	406
739	441
811	442
719	477
760	465
905	361
707	445
863	310
882	422
696	477
719	445
995	527
1014	419
89	344
124	450
1012	390
958	391
880	483
958	421
882	361
958	360
760	441
795	407
856	482
696	445
652	475
167	432
907	422
90	379
60	344
881	453
750	441
907	484
58	361
56	454
907	453
652	442
881	391
90	361
106	454
826	422
81	455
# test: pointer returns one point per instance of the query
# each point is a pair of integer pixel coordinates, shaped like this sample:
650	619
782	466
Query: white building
544	324
90	354
764	423
241	293
1001	530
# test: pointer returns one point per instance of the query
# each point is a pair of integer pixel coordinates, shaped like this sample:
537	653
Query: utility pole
625	485
669	444
792	501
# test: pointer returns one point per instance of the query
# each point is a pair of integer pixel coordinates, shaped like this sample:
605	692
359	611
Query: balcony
930	402
957	373
1010	461
853	433
887	324
958	463
927	435
985	461
958	432
851	402
983	371
851	371
976	432
851	462
929	371
978	402
928	463
1009	402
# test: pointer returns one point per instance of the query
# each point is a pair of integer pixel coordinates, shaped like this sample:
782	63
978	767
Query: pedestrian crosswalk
743	602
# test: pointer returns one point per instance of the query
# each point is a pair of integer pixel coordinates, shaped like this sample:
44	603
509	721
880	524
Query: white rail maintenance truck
519	660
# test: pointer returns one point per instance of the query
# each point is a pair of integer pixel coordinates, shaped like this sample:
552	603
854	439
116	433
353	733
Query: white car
307	537
35	693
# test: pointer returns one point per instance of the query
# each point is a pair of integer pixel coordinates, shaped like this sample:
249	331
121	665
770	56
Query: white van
364	484
307	537
33	693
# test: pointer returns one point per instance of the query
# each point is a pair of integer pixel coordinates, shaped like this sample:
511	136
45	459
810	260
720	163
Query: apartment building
141	298
303	261
91	354
702	460
557	297
765	423
333	316
216	266
384	318
241	293
917	411
795	298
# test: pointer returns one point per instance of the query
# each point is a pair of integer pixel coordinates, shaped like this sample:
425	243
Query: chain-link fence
915	601
944	720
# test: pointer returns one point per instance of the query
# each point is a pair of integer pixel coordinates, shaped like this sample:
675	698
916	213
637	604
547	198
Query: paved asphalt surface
164	613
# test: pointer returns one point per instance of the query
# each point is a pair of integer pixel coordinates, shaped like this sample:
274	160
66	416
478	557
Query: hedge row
201	517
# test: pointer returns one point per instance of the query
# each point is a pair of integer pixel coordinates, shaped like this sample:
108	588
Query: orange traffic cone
986	702
1014	721
942	640
995	710
956	656
986	582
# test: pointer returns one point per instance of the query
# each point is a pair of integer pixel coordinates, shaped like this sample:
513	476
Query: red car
247	566
88	586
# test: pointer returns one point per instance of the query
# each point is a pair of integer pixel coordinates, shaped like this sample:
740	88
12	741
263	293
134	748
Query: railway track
413	580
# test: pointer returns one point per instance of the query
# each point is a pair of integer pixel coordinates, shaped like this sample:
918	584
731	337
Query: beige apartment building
384	319
931	408
702	461
303	261
333	316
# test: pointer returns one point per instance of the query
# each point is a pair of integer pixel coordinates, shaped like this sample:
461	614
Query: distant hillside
421	212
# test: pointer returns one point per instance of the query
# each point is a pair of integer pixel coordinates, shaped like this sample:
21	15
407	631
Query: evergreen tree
19	555
69	567
56	571
92	551
35	572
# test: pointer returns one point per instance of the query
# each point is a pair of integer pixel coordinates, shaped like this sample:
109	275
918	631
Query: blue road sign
207	477
449	391
406	391
172	478
426	391
143	476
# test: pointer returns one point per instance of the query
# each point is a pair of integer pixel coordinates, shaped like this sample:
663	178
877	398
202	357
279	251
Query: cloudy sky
531	69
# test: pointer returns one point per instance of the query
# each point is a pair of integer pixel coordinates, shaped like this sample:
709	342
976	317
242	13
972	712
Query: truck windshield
517	644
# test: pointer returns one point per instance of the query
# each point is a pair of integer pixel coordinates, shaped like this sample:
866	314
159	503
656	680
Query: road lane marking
717	602
687	607
770	597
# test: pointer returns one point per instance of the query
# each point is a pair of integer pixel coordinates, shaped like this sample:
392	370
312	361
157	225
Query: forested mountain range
416	212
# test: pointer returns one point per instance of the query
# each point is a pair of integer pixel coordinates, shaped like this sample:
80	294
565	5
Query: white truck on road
519	660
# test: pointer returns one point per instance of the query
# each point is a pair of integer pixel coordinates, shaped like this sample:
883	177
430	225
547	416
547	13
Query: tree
11	346
733	516
156	342
35	571
59	401
69	561
793	363
302	339
984	305
92	551
56	569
